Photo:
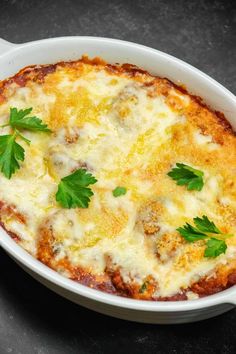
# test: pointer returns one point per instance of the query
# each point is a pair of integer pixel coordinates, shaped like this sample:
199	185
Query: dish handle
5	46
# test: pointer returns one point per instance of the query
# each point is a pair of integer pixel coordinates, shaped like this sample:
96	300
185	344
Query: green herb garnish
205	225
215	247
203	230
143	288
118	191
21	120
187	175
73	190
190	233
10	151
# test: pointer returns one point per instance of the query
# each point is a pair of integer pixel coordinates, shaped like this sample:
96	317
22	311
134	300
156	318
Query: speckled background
203	33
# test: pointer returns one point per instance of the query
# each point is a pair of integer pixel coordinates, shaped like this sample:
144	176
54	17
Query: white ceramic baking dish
16	56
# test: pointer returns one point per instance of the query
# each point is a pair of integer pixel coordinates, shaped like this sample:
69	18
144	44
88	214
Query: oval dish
14	57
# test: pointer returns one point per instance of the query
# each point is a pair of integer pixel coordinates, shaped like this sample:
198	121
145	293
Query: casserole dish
13	58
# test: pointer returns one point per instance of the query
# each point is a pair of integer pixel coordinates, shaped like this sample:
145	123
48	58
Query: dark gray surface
203	33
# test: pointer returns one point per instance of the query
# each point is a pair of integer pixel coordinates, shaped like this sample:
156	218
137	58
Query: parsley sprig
10	151
204	228
73	189
20	119
187	175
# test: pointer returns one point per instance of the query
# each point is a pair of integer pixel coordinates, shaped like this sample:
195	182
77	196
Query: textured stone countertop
203	33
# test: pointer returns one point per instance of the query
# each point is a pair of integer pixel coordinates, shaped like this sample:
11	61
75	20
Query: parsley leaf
10	153
205	225
190	233
187	175
72	190
118	191
215	247
143	288
21	119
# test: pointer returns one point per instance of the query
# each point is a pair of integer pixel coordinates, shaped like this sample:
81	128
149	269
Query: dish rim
227	296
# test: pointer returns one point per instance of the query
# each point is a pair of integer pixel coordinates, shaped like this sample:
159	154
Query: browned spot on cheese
45	251
148	217
167	245
11	211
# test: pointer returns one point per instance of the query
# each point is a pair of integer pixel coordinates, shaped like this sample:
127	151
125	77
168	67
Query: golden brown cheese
128	128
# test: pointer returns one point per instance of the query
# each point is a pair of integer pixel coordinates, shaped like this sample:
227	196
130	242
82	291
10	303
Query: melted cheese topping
127	134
